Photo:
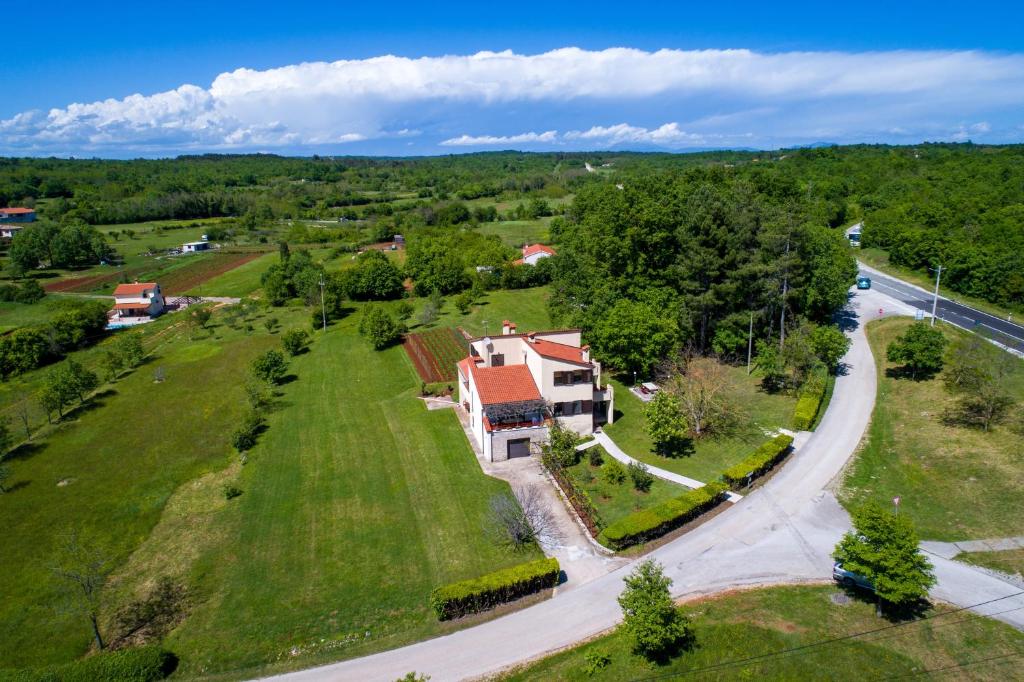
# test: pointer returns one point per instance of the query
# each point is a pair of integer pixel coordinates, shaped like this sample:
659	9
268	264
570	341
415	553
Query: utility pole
785	290
750	341
935	300
323	308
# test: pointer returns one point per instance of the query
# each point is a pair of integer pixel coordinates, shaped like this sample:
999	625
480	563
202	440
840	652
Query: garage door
519	447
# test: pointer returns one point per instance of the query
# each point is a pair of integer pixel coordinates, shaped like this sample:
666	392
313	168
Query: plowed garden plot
83	285
180	280
435	352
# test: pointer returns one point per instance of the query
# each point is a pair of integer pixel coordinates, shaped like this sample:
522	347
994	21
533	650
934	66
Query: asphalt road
996	328
782	532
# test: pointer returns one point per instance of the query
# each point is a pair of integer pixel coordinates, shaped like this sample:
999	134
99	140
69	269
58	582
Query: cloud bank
717	97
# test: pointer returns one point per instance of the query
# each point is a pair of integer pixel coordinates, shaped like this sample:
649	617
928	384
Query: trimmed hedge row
654	522
763	459
487	591
811	395
142	664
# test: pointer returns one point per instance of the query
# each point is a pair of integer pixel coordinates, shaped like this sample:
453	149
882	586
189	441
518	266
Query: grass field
614	501
955	483
526	307
357	502
763	414
746	635
14	315
1010	561
518	232
107	472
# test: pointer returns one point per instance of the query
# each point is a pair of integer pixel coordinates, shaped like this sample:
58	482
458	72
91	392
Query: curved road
783	532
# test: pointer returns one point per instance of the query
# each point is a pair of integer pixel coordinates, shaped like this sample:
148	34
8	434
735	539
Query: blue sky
804	73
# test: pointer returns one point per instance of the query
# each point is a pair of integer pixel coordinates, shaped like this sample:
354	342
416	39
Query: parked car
863	282
849	578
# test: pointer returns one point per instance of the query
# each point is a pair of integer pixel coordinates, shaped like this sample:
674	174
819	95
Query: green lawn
107	472
526	307
743	636
1010	561
14	315
614	501
763	414
518	232
358	501
956	483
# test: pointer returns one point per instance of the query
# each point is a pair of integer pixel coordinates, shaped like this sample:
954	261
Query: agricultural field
434	353
802	633
956	483
240	281
515	233
762	415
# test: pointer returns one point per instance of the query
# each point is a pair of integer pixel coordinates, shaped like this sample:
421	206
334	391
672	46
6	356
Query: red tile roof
508	384
17	210
557	351
533	249
134	289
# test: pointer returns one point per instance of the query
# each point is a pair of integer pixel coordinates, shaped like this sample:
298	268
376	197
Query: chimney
531	337
585	351
507	328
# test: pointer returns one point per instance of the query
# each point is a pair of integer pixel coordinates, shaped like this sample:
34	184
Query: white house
136	303
533	253
8	230
192	247
17	214
513	385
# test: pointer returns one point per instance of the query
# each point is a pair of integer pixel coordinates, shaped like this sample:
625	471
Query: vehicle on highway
849	578
863	282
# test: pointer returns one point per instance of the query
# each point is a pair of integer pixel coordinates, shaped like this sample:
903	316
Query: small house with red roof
533	253
513	386
135	304
13	219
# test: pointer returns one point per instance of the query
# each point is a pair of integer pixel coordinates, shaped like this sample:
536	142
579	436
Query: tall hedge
809	403
655	521
487	591
142	664
763	459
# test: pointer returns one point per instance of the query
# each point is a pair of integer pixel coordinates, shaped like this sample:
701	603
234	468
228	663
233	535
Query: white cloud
324	103
491	140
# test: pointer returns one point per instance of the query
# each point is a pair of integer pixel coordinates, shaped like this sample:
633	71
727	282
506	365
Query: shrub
641	475
487	591
613	472
142	664
811	395
377	325
597	660
270	367
295	341
763	459
655	521
594	456
231	492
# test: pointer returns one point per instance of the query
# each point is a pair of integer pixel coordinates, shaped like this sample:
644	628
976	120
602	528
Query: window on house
498	360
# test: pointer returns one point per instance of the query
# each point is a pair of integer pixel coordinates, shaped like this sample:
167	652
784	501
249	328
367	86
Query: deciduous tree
919	350
656	628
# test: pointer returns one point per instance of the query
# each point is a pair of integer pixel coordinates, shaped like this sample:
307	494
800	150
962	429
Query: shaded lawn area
358	502
763	412
119	462
736	635
1009	561
956	483
614	501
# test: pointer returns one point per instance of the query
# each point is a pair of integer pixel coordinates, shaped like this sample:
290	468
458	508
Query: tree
700	387
202	316
379	327
5	473
129	347
982	376
665	422
883	547
270	367
830	344
463	302
83	568
112	362
920	350
650	618
245	436
295	341
522	519
641	476
79	380
403	310
633	337
561	446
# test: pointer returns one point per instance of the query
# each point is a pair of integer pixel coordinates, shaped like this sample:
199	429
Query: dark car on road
863	282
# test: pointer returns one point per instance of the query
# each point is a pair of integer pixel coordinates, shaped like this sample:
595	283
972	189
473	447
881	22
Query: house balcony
514	425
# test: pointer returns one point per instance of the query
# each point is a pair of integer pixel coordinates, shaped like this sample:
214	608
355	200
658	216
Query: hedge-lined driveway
783	532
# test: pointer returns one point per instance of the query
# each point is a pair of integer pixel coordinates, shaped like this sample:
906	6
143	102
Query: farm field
955	483
526	307
743	636
434	353
764	413
616	500
518	232
240	281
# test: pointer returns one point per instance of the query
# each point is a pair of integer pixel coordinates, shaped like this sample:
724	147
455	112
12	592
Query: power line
954	666
823	642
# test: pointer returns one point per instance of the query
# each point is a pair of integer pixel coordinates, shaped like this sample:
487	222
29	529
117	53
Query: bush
377	325
142	664
613	472
295	341
595	456
231	492
655	521
487	591
763	459
811	395
641	475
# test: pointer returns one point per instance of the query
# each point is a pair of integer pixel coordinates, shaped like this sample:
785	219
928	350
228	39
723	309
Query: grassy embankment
791	633
956	483
762	414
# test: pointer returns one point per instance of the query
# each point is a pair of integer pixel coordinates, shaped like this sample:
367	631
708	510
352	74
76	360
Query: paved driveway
781	533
